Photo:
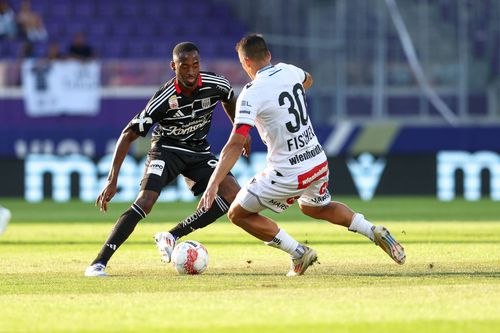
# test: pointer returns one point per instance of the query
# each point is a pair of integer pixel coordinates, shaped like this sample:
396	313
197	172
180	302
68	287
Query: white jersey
274	102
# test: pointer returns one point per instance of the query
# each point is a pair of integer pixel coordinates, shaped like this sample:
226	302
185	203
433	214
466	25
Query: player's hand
247	147
208	197
106	195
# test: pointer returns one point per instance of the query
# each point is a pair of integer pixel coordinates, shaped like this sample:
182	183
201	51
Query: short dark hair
253	46
184	47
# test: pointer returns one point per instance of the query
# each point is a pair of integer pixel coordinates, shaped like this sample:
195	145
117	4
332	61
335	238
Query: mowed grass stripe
450	283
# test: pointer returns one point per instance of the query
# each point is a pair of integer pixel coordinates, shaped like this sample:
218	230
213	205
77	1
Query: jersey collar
178	89
263	69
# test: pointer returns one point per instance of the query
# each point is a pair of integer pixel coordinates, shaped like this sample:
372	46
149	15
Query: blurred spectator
8	26
79	48
31	23
54	52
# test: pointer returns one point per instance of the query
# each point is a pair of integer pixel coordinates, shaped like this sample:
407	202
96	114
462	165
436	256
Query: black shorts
163	166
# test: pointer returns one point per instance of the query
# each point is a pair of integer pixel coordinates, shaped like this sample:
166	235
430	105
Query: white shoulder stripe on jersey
212	76
157	101
215	79
160	99
222	83
151	101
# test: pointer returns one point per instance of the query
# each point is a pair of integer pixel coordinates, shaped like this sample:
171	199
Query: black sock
121	231
201	218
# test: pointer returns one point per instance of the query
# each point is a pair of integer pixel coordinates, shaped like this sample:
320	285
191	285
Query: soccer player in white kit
297	167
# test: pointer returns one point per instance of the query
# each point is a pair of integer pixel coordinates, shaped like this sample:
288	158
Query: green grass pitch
450	283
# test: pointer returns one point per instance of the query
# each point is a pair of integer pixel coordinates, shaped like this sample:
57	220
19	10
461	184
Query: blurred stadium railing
370	103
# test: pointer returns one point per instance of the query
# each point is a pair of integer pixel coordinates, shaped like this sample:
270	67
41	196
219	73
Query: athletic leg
201	218
197	174
161	168
122	229
125	225
341	214
268	231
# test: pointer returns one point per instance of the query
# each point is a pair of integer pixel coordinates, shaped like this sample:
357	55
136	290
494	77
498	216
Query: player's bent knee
229	188
232	216
314	212
236	214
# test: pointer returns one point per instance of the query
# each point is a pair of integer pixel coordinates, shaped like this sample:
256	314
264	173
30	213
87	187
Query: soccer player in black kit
182	108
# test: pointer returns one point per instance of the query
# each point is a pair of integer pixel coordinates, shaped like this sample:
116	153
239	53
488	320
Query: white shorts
270	190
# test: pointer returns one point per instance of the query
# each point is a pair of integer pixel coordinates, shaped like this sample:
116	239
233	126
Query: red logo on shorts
290	201
312	175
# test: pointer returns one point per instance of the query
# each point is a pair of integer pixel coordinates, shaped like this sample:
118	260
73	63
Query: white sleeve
247	106
301	74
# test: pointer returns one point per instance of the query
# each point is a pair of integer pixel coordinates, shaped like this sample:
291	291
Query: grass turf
450	283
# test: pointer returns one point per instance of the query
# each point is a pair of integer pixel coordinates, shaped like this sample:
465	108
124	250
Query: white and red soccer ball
190	257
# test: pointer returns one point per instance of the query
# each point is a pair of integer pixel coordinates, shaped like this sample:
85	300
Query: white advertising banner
53	88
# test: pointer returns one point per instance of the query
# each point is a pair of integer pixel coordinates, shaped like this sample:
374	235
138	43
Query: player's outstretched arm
229	156
121	150
230	109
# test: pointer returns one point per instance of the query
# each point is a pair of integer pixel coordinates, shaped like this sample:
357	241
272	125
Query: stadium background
405	101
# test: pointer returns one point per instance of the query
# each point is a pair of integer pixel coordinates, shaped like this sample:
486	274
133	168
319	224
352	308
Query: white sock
285	242
361	225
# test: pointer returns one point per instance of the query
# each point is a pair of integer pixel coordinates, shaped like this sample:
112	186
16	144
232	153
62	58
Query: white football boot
165	243
384	239
96	270
299	266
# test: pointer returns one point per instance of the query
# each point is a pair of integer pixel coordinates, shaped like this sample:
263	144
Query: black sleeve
150	115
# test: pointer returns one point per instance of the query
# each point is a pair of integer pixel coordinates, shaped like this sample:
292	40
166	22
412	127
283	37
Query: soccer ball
190	257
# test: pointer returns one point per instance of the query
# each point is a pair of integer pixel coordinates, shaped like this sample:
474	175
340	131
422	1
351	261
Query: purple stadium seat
133	28
61	9
97	29
113	49
106	10
84	9
130	9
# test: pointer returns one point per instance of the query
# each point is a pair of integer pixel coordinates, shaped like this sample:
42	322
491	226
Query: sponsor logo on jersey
205	103
172	102
178	114
244	111
156	167
174	130
308	154
245	103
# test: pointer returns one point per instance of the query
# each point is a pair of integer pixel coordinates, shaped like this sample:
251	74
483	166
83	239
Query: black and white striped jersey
183	121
